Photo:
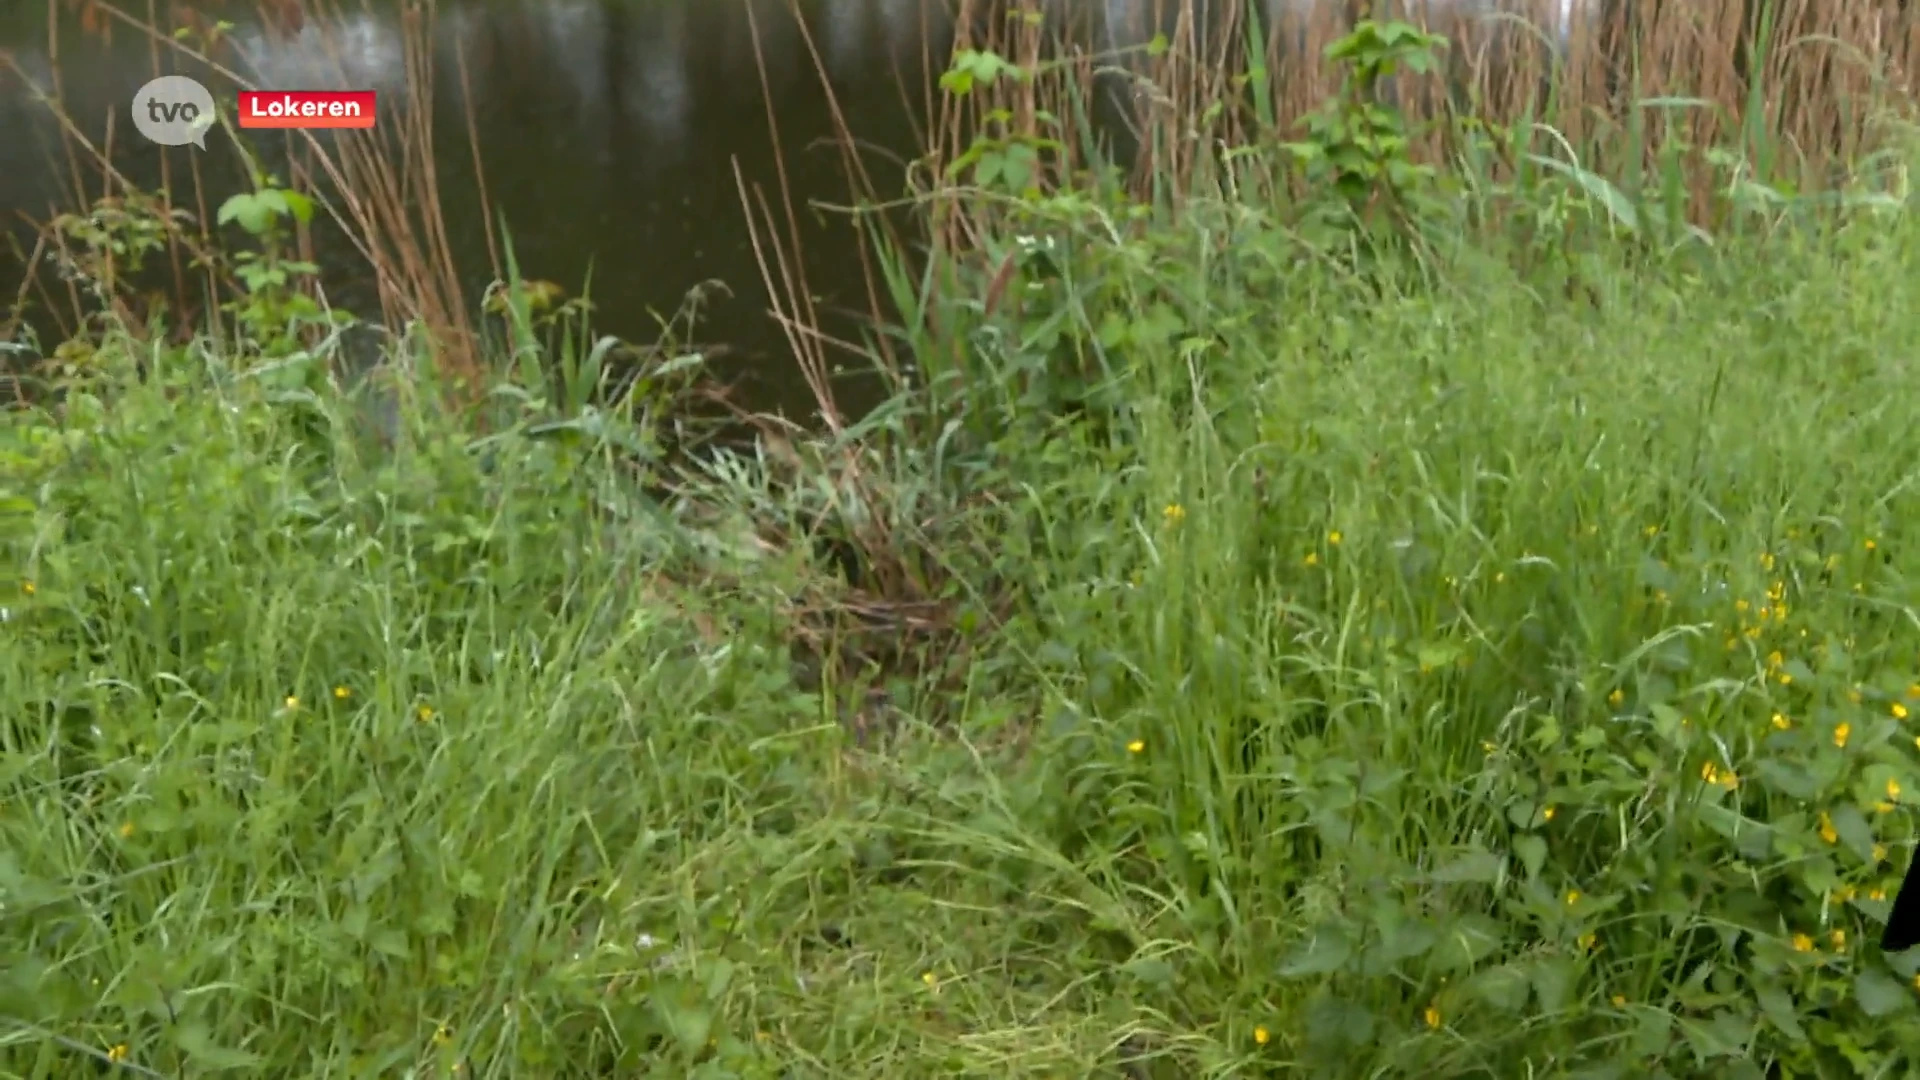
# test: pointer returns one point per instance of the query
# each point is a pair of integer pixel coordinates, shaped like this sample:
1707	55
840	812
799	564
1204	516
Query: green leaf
1854	831
1476	866
1794	781
1879	995
299	205
197	1043
1326	951
1504	987
1553	981
1466	941
1532	852
389	941
1726	1035
1777	1004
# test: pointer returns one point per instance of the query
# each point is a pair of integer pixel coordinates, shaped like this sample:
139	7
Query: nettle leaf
1466	941
1531	849
1325	952
1553	980
1474	866
1505	988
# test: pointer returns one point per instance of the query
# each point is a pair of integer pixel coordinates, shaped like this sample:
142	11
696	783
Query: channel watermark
308	109
174	110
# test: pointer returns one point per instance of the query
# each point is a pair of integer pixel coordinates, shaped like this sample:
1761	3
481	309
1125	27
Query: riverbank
1274	646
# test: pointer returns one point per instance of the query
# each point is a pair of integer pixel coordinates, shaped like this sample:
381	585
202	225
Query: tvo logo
174	110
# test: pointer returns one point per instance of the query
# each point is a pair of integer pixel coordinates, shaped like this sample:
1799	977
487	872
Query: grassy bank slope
1465	661
1453	680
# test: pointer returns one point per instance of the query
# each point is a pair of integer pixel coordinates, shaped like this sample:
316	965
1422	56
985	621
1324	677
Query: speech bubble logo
173	110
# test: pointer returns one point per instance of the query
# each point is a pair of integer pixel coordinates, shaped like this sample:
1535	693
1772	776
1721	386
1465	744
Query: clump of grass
1364	666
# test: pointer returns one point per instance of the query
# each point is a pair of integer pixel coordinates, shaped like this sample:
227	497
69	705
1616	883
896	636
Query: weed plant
1449	622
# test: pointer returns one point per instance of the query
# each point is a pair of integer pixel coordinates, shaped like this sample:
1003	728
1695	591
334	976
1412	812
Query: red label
306	108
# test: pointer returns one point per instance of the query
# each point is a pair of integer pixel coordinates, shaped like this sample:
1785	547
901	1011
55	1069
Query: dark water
609	130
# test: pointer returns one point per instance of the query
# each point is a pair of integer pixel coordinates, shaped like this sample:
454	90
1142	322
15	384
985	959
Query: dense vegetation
1376	594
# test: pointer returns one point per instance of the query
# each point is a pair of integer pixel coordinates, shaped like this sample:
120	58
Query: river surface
609	130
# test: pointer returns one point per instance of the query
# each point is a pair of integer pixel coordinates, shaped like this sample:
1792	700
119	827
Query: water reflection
609	129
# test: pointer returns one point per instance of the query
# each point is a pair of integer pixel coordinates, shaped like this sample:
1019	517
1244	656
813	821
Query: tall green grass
1473	680
1485	662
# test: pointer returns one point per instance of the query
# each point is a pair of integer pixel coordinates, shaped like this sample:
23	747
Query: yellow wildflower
1740	606
1893	788
117	1053
1588	941
292	702
1548	813
1432	1016
1614	699
1871	545
424	713
1334	538
1840	733
1876	894
1619	1001
1839	938
1312	559
1136	746
1174	513
126	830
1775	659
1827	831
1573	897
1879	853
28	588
1854	695
1781	722
1261	1035
1802	943
932	980
1899	711
341	693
